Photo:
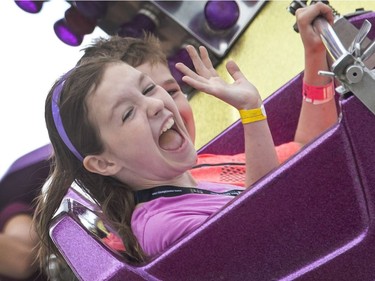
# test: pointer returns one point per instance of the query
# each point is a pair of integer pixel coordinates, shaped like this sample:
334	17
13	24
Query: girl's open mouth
170	137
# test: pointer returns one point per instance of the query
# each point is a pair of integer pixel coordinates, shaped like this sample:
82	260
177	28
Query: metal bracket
348	64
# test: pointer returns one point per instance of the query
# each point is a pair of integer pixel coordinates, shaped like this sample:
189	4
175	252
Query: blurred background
32	58
263	43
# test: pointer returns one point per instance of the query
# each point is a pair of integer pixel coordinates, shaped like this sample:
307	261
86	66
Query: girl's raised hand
241	94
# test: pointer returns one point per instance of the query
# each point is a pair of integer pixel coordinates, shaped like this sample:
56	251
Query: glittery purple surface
84	253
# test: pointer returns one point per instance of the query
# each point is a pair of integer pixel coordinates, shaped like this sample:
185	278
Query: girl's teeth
168	125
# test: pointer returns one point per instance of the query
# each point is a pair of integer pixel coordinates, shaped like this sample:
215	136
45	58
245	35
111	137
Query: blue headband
57	117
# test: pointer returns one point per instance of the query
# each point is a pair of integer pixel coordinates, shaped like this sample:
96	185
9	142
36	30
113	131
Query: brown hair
114	197
133	51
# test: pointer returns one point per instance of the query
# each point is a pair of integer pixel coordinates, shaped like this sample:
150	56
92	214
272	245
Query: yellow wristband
252	115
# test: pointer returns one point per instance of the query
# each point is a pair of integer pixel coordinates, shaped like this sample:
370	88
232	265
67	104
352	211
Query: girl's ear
99	165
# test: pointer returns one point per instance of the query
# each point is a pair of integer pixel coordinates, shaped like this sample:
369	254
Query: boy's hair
109	193
133	51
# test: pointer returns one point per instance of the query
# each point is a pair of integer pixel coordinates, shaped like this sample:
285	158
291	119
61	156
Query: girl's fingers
197	84
197	62
201	65
187	71
234	71
206	59
208	88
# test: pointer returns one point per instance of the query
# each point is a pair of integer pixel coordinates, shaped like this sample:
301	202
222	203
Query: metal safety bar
330	38
348	64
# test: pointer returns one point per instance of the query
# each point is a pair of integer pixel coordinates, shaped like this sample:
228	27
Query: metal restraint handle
348	66
330	39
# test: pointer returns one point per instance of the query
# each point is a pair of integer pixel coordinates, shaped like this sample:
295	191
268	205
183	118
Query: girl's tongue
170	140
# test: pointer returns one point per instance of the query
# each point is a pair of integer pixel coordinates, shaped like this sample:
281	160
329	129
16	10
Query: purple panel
309	208
87	257
360	125
361	129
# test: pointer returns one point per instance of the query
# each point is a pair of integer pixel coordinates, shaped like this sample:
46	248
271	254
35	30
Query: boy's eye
127	115
149	89
172	92
172	89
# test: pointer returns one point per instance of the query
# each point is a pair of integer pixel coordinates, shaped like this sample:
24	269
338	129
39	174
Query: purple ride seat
310	219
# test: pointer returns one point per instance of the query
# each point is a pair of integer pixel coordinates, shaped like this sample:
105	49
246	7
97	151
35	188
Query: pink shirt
160	222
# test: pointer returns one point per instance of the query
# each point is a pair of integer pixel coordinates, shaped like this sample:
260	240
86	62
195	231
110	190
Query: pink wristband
318	94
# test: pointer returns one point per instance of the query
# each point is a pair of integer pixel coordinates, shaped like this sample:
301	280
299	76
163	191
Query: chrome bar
330	39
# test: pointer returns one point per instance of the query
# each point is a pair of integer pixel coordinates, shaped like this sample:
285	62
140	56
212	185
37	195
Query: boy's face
162	76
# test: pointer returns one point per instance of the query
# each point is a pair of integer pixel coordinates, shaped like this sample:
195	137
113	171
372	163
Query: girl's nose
154	106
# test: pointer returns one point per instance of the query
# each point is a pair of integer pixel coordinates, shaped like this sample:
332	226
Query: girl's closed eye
149	89
127	114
